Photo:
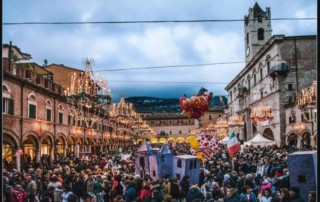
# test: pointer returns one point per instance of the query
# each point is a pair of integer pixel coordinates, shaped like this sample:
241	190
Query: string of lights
193	65
148	21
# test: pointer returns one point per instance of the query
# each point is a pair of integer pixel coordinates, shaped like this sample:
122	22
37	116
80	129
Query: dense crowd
254	174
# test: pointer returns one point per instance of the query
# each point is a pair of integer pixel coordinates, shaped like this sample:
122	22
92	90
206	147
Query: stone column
65	150
38	155
77	151
312	141
18	162
52	154
299	142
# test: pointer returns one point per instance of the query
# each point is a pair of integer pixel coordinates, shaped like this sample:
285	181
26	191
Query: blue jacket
130	194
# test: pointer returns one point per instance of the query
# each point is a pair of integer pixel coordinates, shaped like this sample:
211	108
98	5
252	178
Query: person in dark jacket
194	193
130	193
294	193
185	186
231	195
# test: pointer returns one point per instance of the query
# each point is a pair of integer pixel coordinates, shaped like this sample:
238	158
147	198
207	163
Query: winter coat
194	193
130	194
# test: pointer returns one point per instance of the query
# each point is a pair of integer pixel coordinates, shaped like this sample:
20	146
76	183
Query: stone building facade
37	118
273	76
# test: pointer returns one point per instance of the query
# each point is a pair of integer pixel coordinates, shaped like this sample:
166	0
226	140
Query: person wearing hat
294	193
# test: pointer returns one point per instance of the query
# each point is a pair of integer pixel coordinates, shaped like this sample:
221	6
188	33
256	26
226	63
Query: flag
233	145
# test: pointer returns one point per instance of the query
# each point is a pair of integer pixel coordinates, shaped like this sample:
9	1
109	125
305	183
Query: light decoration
308	96
222	128
235	121
42	129
261	113
222	123
18	153
298	127
211	130
88	94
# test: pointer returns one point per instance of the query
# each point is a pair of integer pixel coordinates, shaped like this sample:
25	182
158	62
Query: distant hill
161	105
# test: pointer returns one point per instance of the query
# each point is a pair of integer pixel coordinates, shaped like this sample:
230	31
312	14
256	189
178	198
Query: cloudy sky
148	59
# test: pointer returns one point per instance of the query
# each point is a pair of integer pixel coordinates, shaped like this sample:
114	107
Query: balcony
279	69
242	92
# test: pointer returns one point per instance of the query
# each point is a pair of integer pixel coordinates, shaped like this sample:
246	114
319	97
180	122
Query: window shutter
32	111
60	118
48	115
11	107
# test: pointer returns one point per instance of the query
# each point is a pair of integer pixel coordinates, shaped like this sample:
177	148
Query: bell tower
257	30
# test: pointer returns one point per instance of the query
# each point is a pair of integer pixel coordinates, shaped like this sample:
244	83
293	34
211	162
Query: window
261	74
254	79
180	132
260	34
179	163
259	18
195	163
210	117
32	111
191	165
290	86
69	119
247	38
231	96
268	63
261	93
48	114
170	132
7	106
60	117
249	85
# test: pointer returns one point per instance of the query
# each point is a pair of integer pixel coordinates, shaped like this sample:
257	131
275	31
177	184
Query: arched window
179	163
261	34
259	18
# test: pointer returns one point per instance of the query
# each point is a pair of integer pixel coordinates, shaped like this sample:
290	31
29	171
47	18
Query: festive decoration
308	96
196	105
193	142
261	113
87	95
18	153
298	127
203	145
233	145
235	121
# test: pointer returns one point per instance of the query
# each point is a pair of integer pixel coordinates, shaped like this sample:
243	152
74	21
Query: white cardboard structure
259	140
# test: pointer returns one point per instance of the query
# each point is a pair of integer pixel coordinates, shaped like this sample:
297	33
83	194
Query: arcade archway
46	145
71	144
9	146
30	144
267	133
60	145
292	140
306	140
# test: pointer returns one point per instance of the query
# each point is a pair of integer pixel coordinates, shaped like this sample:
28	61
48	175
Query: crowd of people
254	174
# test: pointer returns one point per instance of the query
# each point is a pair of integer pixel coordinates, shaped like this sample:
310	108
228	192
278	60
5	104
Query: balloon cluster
196	105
